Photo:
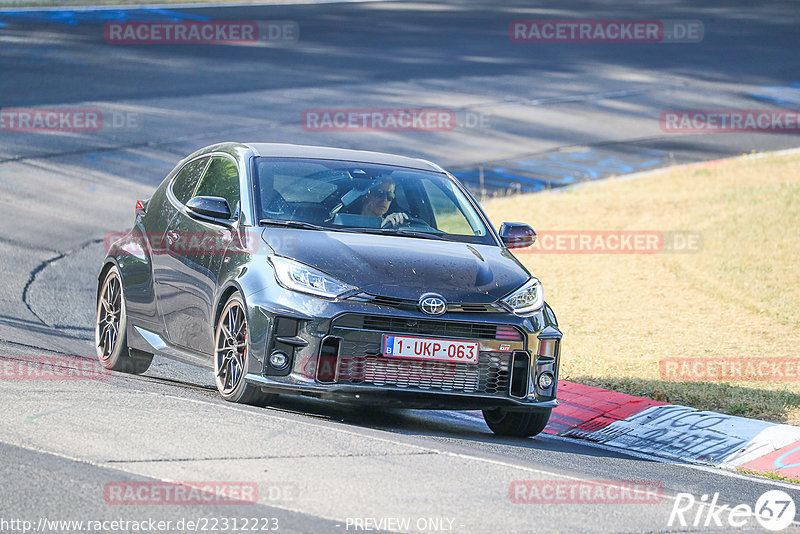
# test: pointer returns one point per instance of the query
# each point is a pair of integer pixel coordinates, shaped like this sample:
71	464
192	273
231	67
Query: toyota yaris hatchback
338	274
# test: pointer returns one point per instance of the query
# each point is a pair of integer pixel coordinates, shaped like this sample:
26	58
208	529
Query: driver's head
379	197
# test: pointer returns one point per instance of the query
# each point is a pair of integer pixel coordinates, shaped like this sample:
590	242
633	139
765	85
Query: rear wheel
231	354
520	424
110	332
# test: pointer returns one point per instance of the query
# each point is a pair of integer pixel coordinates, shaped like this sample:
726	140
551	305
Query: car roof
281	150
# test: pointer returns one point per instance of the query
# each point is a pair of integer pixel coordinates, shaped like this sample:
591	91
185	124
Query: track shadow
466	427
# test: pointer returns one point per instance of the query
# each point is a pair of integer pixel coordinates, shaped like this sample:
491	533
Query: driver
378	200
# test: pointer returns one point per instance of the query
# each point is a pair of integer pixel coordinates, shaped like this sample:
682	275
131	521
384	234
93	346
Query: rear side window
183	185
221	179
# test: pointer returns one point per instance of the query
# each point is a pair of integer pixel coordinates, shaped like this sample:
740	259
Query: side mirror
517	235
209	207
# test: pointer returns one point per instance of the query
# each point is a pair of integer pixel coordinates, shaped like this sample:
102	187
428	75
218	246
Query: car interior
333	196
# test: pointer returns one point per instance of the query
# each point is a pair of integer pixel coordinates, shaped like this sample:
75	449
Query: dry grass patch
738	297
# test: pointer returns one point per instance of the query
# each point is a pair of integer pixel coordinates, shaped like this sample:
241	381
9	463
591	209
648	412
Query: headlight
305	279
526	299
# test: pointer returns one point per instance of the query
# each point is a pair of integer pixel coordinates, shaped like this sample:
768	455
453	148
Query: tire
519	424
231	355
111	329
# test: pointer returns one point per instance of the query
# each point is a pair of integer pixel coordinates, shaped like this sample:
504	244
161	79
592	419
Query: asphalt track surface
546	114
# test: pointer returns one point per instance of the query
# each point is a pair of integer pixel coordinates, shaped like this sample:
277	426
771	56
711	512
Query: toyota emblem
432	304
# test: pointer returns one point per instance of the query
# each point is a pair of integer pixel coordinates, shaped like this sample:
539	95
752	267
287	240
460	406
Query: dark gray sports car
342	274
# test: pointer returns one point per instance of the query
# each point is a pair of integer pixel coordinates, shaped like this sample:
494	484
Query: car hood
404	267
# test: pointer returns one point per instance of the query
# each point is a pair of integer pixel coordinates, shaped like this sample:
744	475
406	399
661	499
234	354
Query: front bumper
399	398
334	350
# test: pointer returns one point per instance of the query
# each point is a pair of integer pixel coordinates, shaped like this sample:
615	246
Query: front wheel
519	424
110	331
231	354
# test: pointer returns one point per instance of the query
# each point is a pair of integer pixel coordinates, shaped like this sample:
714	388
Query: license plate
424	348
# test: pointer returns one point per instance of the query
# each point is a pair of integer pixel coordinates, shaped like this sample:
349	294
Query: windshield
365	197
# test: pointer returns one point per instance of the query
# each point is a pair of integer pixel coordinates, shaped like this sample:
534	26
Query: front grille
393	302
475	308
427	327
361	362
490	376
407	304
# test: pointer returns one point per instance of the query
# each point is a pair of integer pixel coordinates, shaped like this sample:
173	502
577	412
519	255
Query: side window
449	218
221	179
183	185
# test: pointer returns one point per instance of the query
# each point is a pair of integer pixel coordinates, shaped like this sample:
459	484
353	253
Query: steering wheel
412	222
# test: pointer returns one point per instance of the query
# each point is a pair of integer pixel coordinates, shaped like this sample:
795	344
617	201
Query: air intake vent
520	371
429	327
328	359
508	333
489	377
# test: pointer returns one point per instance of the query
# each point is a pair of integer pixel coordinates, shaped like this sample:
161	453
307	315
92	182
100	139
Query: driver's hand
394	219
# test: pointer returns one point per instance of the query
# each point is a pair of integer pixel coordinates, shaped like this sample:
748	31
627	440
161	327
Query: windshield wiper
381	231
400	232
293	224
414	233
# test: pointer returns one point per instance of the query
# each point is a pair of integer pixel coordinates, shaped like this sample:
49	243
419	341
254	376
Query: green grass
768	474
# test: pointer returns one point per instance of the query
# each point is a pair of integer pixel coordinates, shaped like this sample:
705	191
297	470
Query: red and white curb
676	432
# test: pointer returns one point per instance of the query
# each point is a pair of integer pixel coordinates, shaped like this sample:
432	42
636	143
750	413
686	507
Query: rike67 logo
774	510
